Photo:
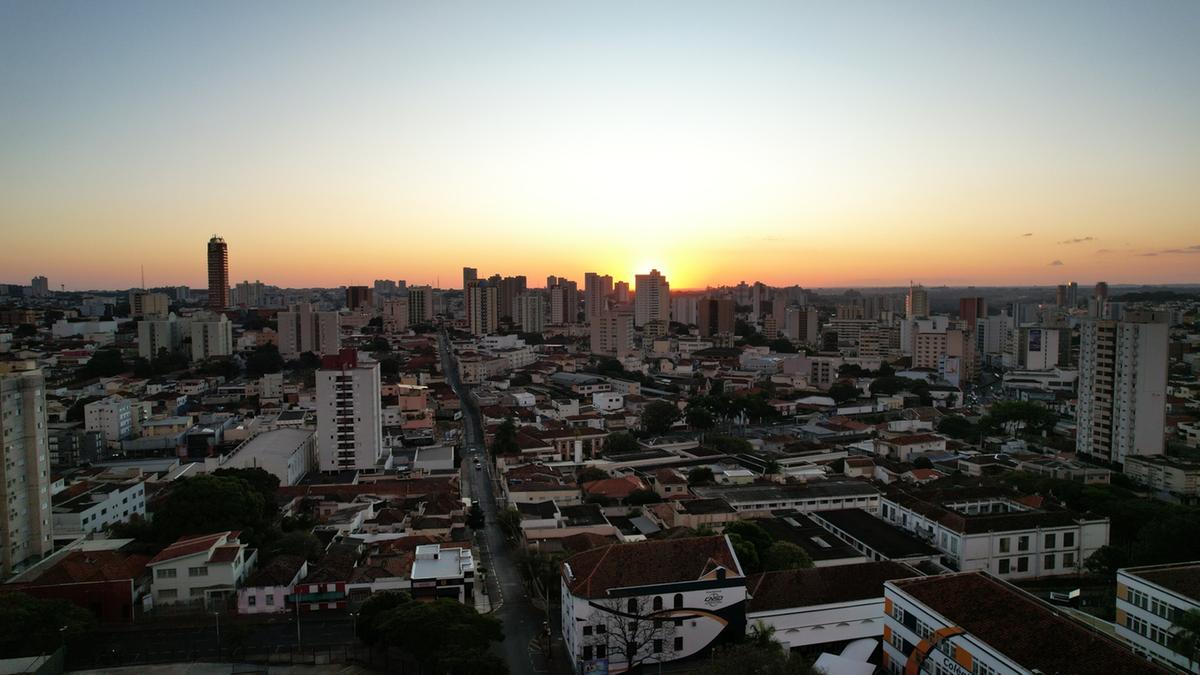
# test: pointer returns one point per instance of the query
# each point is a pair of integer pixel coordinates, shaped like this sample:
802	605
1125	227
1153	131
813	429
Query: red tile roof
224	554
616	488
85	566
186	546
822	585
593	573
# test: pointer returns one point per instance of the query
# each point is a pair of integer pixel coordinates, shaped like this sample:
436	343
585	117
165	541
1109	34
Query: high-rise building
218	273
303	330
212	336
803	325
596	289
483	299
531	312
40	287
621	292
157	334
1122	386
349	414
384	288
685	309
970	309
395	315
510	289
470	275
420	305
652	303
551	280
358	297
715	316
1072	295
564	301
612	334
146	304
111	417
25	521
916	305
1101	290
247	294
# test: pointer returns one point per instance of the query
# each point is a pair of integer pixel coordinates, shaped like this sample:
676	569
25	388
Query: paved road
522	620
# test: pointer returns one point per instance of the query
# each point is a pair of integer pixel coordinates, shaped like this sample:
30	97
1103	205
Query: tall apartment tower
420	305
971	309
395	315
715	316
349	414
303	330
1122	386
803	325
483	299
612	334
530	312
621	292
470	275
564	301
212	336
916	305
25	524
596	289
359	297
40	287
218	273
652	302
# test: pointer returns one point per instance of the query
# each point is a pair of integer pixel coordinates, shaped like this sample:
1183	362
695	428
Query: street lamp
354	620
218	615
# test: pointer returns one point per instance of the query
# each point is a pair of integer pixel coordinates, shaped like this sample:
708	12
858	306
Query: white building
1176	475
650	602
652	302
1122	386
349	414
25	526
144	304
530	312
1149	601
88	506
974	623
212	336
287	454
978	529
439	572
112	417
395	314
303	330
420	305
612	334
202	570
155	335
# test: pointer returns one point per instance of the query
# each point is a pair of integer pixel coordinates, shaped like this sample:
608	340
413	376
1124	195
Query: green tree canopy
31	626
441	630
620	442
957	426
210	503
658	416
263	360
922	463
784	555
843	392
104	363
301	543
376	605
590	473
505	442
783	346
701	475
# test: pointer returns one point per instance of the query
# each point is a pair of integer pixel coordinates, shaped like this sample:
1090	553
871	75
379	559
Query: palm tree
762	636
1185	640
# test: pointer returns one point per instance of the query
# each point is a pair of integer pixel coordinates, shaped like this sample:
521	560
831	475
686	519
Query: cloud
1101	251
1172	251
1077	240
1147	255
1056	263
1027	234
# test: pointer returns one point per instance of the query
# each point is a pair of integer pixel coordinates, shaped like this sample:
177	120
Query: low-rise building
203	570
1176	475
1150	600
818	495
91	506
439	572
267	590
975	623
287	454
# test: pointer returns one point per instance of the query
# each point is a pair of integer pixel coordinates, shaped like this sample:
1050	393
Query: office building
359	297
564	301
302	330
212	336
1150	600
531	312
971	309
1101	290
596	289
249	294
802	325
652	303
715	316
972	623
510	289
25	525
395	315
469	276
420	305
159	334
483	299
916	304
143	303
1122	386
349	414
218	273
685	309
612	334
621	292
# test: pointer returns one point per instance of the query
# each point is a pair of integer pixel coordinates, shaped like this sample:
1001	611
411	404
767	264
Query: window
1048	562
898	641
168	594
1159	635
252	601
1068	560
1136	625
1022	564
632	606
679	601
1004	545
600	629
923	630
587	630
587	652
165	573
658	605
1050	540
1068	539
978	668
1023	543
1005	566
601	651
1160	608
658	645
898	613
270	599
679	644
197	571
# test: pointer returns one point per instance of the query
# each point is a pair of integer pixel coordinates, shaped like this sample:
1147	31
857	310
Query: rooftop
822	585
876	534
598	572
768	492
1180	578
1022	628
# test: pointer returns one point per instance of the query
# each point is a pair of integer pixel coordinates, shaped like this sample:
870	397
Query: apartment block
349	414
25	521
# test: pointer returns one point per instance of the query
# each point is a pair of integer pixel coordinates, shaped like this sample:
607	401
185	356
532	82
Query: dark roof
822	585
545	509
1181	579
797	528
280	571
592	574
1024	629
706	506
878	535
578	515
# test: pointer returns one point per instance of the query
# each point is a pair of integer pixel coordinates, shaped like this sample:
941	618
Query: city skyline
832	146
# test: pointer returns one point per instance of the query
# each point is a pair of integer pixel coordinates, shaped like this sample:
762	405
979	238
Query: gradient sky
790	142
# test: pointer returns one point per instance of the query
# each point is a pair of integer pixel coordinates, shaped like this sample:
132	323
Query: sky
820	144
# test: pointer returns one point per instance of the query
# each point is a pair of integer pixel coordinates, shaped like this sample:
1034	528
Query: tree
771	467
104	363
25	330
957	426
922	462
434	631
1106	561
505	442
29	625
379	344
610	367
475	517
588	474
782	346
263	360
750	657
509	521
1012	416
1185	639
750	543
640	497
701	475
619	442
784	555
843	392
210	503
376	605
699	417
301	543
307	361
658	416
263	481
633	635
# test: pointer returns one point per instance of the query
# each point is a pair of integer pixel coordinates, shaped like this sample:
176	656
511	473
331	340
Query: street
522	620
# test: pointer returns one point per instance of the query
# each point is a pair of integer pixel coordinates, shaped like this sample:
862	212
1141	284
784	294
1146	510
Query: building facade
349	414
25	520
